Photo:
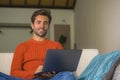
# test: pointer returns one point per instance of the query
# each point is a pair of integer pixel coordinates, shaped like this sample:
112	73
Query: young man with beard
29	56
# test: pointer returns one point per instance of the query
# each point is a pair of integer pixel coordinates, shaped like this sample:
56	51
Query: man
29	56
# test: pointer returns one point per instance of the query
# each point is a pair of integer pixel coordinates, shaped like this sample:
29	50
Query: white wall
97	24
11	37
23	15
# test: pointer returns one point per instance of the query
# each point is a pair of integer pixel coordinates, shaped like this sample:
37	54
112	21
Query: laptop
61	60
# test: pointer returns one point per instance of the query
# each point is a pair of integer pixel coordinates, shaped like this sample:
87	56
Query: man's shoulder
55	43
24	43
22	46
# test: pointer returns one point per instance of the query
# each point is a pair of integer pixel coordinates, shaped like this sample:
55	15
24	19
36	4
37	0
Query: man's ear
31	28
31	25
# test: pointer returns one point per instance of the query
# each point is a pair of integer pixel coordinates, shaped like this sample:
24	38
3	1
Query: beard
40	34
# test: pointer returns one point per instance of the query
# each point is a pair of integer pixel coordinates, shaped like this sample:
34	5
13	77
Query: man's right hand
45	75
39	69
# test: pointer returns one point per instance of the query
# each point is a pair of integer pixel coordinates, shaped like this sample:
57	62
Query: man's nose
42	24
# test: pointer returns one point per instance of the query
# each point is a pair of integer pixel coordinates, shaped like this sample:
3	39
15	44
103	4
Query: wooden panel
46	2
60	3
18	2
4	2
33	2
70	3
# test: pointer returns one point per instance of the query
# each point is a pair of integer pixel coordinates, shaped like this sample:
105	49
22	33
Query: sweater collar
39	42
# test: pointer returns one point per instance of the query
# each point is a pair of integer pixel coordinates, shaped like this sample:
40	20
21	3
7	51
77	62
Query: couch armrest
86	57
5	62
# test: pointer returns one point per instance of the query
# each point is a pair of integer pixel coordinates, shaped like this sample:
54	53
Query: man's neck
37	38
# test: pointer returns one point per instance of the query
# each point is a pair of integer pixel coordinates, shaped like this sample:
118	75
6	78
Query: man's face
40	26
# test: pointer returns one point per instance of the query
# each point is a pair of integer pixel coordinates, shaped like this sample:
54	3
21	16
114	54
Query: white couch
86	57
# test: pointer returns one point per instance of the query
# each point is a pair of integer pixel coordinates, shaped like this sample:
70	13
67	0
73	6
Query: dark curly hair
44	12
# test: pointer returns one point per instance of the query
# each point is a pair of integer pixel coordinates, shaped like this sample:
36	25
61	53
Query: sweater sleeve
17	62
59	46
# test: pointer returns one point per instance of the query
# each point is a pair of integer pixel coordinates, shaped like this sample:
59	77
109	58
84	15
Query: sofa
86	57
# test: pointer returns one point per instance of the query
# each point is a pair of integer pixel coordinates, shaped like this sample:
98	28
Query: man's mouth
41	29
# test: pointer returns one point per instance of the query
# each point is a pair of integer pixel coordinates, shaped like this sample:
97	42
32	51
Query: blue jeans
60	76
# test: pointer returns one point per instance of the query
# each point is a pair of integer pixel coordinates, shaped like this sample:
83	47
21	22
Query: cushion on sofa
110	73
100	66
5	62
86	57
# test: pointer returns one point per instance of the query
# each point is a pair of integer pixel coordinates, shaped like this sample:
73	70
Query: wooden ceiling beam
67	3
25	2
39	2
10	1
74	4
39	5
53	4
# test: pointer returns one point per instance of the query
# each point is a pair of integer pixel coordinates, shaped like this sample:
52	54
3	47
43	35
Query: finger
53	72
45	75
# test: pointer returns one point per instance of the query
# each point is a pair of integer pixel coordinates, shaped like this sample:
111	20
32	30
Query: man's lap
59	76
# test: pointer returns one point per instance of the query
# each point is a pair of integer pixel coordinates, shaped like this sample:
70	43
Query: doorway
62	35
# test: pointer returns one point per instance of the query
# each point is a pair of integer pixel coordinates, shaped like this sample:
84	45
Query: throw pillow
110	74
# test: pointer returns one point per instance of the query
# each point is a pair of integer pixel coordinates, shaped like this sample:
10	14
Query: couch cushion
99	66
5	62
86	57
110	73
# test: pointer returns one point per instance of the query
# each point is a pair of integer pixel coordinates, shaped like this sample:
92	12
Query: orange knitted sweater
29	55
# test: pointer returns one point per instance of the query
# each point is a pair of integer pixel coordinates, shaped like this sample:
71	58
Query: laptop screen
61	60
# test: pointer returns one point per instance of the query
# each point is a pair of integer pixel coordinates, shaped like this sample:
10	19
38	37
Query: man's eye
46	23
38	22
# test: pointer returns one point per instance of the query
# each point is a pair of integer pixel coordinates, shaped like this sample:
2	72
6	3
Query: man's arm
17	64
